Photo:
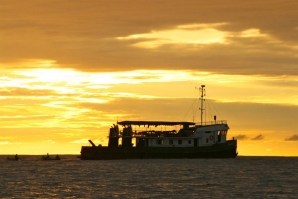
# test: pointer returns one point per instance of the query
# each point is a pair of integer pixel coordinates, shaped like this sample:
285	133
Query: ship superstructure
164	139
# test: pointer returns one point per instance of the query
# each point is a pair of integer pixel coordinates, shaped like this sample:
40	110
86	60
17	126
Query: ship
132	139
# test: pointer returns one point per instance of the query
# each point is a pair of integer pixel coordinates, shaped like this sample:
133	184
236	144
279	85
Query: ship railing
158	134
211	122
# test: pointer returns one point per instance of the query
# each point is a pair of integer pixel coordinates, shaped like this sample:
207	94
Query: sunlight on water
243	177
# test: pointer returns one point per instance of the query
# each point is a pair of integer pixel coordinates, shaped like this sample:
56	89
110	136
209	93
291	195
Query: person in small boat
16	157
57	157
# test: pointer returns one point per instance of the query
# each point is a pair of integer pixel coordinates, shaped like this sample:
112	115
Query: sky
71	69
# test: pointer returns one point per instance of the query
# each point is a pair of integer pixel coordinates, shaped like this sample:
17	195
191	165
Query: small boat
49	158
13	159
45	158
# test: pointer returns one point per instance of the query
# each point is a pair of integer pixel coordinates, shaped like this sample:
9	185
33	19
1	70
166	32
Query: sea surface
242	177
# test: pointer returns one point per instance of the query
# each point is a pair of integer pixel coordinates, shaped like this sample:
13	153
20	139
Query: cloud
30	64
236	45
258	137
19	118
50	141
190	34
100	140
17	91
80	141
244	137
180	35
18	143
3	143
292	138
241	137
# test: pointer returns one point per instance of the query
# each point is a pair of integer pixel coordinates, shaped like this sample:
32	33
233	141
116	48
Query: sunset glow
66	81
187	34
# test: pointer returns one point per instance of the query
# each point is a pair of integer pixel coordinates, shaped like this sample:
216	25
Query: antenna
202	89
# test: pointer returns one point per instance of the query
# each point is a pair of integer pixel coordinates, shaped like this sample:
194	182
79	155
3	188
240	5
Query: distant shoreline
52	154
39	154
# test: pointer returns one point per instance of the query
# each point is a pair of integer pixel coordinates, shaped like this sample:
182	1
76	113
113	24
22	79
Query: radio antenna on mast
202	89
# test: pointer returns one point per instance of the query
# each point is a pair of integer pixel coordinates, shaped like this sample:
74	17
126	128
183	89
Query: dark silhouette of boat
15	158
156	140
47	157
12	159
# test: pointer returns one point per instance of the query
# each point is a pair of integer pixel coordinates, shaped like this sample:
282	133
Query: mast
202	89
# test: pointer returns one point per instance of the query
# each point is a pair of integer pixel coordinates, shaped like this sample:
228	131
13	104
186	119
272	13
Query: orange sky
69	70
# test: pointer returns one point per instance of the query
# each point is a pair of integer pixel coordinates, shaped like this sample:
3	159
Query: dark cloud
81	34
258	137
292	138
238	115
241	137
259	116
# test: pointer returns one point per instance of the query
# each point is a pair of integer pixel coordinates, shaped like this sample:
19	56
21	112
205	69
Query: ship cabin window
207	140
180	142
189	141
171	142
159	142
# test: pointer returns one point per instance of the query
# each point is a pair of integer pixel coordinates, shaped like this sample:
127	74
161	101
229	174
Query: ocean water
242	177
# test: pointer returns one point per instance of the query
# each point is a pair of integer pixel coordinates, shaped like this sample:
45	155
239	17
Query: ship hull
223	150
